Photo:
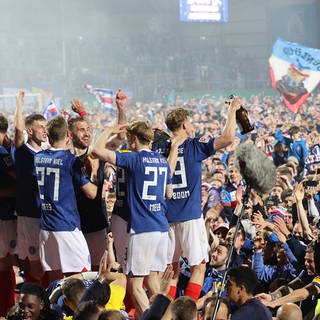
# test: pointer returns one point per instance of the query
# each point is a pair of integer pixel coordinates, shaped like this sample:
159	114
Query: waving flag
104	96
294	71
50	110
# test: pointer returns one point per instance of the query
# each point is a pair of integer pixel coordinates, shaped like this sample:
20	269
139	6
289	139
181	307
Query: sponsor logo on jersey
123	151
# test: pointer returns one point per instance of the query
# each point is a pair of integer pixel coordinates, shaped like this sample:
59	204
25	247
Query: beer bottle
243	120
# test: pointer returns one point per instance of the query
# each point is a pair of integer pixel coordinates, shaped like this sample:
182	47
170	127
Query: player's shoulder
124	151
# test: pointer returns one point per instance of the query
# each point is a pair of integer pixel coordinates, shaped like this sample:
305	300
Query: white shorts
28	238
188	239
8	237
97	245
146	252
121	238
64	250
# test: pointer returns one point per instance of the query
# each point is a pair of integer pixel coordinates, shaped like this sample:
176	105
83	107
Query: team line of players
157	216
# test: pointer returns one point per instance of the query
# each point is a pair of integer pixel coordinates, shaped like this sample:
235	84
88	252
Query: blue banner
302	57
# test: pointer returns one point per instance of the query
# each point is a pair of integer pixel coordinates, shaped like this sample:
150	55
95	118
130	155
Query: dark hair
286	193
74	120
159	138
73	290
112	315
85	310
100	294
3	123
293	130
311	247
183	308
30	119
36	290
241	231
246	277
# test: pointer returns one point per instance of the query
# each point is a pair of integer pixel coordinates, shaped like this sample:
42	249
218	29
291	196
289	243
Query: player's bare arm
19	122
100	150
90	189
229	129
176	141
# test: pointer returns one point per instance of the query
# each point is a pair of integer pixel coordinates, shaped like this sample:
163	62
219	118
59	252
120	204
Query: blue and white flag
104	96
50	110
294	72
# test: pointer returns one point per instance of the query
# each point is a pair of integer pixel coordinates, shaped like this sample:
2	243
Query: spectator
242	282
184	308
88	310
289	311
208	308
34	304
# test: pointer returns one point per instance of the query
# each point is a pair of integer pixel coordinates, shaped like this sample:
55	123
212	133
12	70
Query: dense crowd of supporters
132	213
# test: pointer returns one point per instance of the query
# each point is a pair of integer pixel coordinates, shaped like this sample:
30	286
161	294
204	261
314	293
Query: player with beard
93	213
28	201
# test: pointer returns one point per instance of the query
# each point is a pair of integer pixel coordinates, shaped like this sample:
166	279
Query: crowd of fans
87	249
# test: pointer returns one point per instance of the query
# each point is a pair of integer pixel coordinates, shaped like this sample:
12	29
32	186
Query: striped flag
50	110
104	96
294	71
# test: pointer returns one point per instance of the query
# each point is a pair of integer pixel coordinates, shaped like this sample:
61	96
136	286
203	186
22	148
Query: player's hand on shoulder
178	140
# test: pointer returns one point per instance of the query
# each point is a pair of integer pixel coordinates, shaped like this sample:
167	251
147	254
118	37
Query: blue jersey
58	172
93	213
186	182
28	201
147	175
7	204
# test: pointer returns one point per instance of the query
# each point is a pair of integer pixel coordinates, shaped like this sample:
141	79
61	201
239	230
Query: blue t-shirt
28	201
58	172
147	175
186	182
7	204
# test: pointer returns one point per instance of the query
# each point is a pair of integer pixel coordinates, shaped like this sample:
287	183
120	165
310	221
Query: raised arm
302	215
19	121
229	129
121	100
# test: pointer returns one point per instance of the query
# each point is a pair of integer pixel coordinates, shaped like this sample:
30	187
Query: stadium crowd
131	214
